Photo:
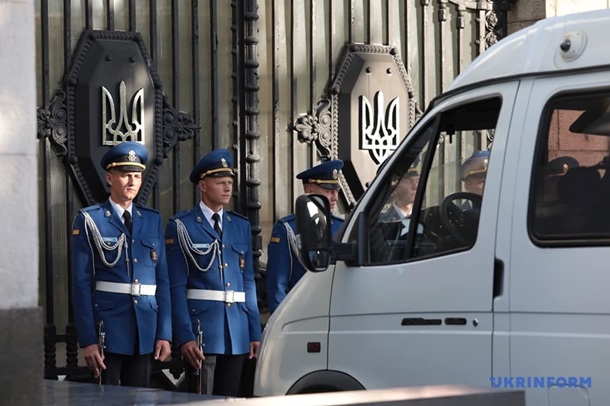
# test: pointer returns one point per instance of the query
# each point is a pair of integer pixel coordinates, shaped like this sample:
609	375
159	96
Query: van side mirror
314	231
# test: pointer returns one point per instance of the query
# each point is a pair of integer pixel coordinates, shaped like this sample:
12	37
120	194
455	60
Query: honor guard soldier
284	268
213	291
120	285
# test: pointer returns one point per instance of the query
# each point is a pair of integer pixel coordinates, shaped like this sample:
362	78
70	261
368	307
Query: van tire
325	381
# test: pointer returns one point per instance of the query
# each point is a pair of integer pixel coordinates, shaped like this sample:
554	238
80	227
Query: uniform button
228	284
96	305
133	241
135	260
226	265
193	310
228	304
223	245
135	281
135	301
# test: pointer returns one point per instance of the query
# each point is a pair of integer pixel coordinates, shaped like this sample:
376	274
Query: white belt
227	296
133	289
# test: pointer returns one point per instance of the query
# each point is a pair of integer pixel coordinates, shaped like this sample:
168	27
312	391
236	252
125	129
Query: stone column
526	12
21	337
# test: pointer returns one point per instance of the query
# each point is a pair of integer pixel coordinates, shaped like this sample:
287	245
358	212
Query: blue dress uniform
120	277
284	268
199	260
212	275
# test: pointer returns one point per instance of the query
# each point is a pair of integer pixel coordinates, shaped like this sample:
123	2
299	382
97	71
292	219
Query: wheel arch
325	381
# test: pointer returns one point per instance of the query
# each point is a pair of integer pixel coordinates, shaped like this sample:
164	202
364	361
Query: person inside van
402	197
463	222
474	171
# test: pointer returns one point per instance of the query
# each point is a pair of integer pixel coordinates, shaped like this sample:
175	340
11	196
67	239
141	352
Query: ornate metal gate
233	74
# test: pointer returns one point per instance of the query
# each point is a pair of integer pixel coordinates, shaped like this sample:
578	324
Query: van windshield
431	199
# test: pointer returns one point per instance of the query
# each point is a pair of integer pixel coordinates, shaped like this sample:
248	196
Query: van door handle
420	321
498	282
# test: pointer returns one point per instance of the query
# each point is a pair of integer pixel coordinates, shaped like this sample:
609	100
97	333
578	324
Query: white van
507	289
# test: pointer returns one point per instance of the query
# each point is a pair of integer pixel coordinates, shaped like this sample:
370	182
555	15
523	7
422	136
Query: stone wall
21	359
526	12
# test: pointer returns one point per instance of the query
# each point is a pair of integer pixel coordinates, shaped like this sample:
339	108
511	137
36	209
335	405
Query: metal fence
234	74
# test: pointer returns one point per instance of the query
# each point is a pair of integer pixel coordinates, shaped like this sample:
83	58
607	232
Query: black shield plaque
113	95
368	109
373	98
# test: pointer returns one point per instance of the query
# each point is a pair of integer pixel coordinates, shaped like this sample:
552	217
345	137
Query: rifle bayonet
101	336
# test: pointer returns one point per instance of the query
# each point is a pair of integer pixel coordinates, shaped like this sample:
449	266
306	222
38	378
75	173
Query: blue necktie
127	219
216	219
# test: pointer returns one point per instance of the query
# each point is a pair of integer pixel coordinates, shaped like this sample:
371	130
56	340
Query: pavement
75	394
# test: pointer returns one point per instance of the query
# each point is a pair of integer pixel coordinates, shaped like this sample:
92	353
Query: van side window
430	202
571	182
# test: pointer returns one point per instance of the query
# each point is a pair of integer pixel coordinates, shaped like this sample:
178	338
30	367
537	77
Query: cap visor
330	186
220	174
128	168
